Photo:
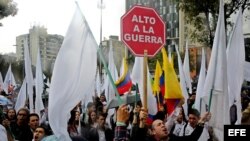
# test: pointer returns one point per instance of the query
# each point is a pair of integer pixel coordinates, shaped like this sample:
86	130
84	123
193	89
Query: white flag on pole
198	104
235	66
39	85
182	81
21	98
109	90
29	76
216	86
73	74
137	77
186	69
9	80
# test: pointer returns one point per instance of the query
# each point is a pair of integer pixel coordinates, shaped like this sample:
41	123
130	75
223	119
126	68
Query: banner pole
145	79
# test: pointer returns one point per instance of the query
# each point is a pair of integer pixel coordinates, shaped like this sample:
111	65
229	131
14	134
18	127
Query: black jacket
93	134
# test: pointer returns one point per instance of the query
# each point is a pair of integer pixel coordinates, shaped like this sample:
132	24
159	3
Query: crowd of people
128	123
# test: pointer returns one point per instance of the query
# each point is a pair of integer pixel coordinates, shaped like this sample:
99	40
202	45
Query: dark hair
101	114
98	105
160	115
183	114
46	129
194	112
33	114
90	119
72	117
3	93
90	104
102	94
8	112
23	109
78	138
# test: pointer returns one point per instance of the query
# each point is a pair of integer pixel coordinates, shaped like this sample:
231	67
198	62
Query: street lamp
101	6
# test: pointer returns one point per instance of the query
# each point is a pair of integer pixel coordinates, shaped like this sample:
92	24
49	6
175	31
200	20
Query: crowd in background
128	123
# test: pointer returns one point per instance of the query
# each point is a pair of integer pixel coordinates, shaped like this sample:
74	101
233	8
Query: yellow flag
172	85
156	84
125	71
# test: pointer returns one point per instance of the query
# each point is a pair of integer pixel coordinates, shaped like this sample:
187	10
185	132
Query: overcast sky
56	15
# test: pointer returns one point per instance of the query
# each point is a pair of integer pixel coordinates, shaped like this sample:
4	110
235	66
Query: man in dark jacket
102	132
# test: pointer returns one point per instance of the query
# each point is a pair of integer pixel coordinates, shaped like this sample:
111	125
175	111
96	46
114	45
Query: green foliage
203	15
7	8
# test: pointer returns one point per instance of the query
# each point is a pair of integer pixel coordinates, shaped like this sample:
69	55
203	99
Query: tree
7	8
203	15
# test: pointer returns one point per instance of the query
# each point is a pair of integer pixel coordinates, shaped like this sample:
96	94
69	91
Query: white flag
186	68
73	74
109	90
9	80
137	77
198	104
21	98
29	76
216	87
39	84
235	66
182	81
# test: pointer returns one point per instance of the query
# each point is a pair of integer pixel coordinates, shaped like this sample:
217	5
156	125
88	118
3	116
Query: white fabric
28	75
21	98
101	135
216	86
198	104
247	71
182	81
236	59
137	77
39	85
186	69
122	68
189	130
109	90
9	79
172	118
177	128
3	133
170	55
73	74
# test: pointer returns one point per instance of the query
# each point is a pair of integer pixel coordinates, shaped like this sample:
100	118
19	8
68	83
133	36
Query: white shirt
3	133
188	131
177	128
101	135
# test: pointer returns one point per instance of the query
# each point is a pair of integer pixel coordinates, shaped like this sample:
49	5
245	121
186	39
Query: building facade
48	44
119	50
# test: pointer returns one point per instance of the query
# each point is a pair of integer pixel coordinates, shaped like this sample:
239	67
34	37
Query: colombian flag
156	85
124	83
172	91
